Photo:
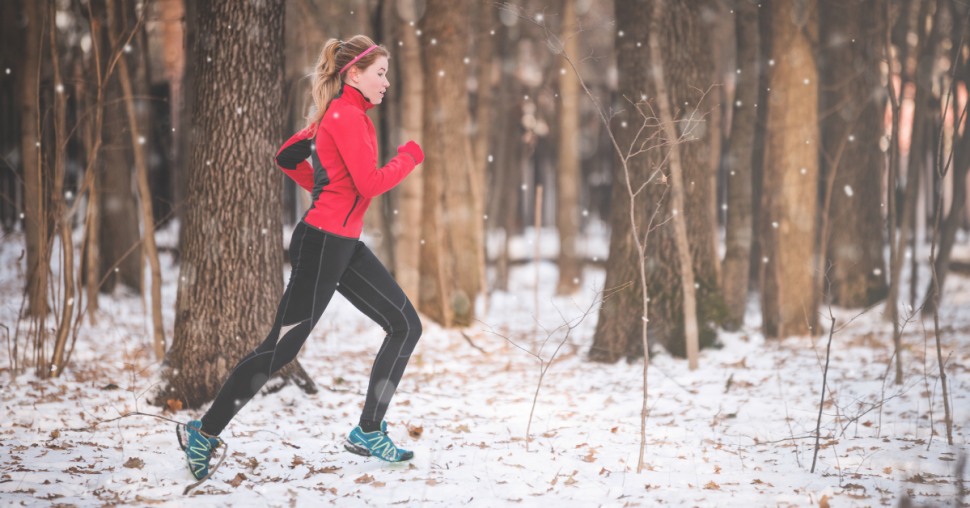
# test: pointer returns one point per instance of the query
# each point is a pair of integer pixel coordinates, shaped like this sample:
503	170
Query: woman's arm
348	134
292	158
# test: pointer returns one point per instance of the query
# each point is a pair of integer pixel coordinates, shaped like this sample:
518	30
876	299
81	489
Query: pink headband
358	58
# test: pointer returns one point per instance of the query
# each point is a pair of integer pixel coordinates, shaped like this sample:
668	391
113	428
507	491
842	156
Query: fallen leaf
415	431
824	502
887	470
135	463
867	423
378	484
297	461
712	486
432	482
55	434
173	405
237	480
613	430
364	479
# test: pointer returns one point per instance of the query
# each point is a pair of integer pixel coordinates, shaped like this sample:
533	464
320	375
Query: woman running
326	253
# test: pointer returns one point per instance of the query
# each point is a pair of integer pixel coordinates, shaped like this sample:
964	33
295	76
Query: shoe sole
364	452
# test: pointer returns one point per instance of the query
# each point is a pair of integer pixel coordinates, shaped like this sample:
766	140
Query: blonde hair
327	79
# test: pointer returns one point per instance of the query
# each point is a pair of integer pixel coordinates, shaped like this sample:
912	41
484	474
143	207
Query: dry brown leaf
613	430
570	481
135	463
297	461
432	482
378	484
712	486
237	480
824	502
364	479
55	434
415	431
887	470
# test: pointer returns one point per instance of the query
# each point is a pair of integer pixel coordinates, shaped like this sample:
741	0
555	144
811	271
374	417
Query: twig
821	404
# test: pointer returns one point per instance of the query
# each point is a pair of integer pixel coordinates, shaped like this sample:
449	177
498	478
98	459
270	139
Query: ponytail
327	79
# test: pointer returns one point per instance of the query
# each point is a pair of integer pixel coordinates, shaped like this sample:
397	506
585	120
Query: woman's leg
319	259
370	288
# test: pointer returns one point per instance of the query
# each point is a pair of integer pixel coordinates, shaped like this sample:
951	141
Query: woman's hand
411	148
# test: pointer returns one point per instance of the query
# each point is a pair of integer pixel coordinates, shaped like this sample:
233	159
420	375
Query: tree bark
852	105
567	179
452	227
408	242
688	72
63	222
790	188
230	277
961	165
738	230
145	194
35	218
485	46
118	230
923	104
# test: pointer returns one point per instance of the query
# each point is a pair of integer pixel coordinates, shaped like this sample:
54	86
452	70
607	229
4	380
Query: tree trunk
738	231
485	46
230	278
452	227
408	242
790	188
567	179
35	218
852	107
63	222
145	194
118	230
960	166
688	72
507	171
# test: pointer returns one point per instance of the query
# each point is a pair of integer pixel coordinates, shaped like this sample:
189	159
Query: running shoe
375	444
197	448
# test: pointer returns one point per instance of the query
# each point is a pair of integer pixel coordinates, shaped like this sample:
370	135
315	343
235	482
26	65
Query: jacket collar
355	97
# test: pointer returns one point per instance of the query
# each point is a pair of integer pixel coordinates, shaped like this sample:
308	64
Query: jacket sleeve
349	134
292	159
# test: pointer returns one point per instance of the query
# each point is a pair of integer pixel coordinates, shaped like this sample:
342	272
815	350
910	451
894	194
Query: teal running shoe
375	444
197	448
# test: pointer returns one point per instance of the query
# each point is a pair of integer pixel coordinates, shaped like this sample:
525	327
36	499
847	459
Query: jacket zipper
357	197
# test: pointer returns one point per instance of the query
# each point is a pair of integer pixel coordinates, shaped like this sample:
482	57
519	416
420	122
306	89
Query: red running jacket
342	173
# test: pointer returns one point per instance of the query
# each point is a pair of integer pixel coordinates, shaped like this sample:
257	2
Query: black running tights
322	263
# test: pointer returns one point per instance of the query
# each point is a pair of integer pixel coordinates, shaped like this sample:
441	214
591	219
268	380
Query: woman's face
372	82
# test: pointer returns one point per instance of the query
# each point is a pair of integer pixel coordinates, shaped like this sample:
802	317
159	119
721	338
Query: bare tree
852	106
739	229
229	281
408	241
451	225
568	176
790	188
687	71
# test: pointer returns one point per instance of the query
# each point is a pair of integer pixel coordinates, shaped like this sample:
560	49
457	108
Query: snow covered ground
735	432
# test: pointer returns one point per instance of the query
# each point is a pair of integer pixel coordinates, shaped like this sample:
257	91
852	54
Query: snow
735	432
